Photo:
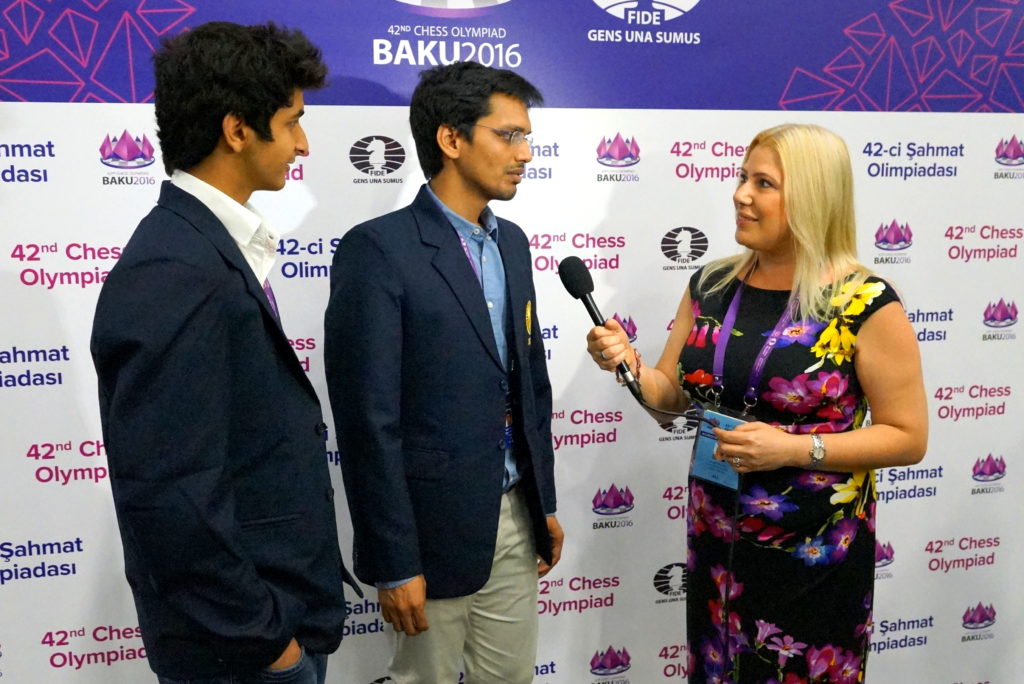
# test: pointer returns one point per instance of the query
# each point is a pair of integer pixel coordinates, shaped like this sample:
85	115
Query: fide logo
646	12
684	245
670	582
377	155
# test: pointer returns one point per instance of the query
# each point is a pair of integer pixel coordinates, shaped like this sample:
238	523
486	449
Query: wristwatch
817	452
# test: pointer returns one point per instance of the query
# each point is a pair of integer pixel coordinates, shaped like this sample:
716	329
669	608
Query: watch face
817	452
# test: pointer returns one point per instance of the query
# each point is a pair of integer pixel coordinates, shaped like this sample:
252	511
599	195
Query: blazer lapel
518	297
196	213
451	262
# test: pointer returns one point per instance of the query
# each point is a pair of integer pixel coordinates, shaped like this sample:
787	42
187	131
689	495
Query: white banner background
80	626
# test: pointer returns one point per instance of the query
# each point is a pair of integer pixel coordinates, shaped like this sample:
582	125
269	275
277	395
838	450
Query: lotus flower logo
613	501
979	617
884	555
609	662
126	152
989	469
628	325
618	151
1010	152
893	237
1001	314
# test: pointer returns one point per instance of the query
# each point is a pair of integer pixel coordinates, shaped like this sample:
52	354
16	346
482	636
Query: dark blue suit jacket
418	394
214	437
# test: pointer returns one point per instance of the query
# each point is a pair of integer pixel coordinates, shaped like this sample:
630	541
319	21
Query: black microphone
577	281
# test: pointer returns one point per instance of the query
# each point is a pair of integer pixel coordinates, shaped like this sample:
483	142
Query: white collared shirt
255	238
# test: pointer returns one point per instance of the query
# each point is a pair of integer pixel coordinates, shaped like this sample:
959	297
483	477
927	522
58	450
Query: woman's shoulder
866	294
710	276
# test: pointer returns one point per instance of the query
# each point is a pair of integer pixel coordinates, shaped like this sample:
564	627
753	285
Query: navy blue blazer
418	395
214	438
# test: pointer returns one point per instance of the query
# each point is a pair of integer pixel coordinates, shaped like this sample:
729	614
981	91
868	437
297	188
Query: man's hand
291	655
557	537
402	606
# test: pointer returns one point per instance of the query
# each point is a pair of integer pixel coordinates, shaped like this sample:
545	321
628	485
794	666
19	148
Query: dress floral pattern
781	572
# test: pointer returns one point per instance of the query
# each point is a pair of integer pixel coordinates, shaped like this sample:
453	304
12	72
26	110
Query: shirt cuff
394	584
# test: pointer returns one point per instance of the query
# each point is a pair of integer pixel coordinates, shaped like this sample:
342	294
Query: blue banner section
891	55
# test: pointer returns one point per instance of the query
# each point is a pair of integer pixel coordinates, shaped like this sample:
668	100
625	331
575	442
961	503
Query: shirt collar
251	232
462	226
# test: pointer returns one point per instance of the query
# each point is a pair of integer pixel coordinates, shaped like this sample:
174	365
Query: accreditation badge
703	464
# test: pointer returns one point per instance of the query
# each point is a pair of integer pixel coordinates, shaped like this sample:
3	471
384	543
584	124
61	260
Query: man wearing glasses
437	377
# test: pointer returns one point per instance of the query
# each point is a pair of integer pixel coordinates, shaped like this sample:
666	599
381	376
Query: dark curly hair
458	95
220	68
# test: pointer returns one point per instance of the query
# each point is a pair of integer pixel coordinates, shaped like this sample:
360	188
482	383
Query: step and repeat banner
650	106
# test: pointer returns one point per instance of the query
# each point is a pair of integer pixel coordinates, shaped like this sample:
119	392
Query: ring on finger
603	357
736	461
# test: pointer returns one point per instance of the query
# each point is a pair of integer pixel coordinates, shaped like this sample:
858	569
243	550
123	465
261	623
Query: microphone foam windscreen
575	277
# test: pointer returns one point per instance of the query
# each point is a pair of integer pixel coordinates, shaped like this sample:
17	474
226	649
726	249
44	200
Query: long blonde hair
817	192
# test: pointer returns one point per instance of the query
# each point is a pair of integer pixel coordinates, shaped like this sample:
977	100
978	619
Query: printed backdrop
650	105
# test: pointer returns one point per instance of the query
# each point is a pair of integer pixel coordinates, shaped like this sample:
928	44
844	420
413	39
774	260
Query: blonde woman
796	340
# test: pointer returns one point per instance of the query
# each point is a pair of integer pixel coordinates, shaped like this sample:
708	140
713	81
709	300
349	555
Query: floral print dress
790	600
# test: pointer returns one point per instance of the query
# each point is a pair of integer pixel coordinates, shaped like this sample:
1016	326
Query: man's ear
450	141
235	132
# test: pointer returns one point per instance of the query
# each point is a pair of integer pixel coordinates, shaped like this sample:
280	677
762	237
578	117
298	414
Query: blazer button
321	430
503	385
329	493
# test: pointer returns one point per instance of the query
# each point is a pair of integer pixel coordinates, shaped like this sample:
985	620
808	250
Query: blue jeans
311	669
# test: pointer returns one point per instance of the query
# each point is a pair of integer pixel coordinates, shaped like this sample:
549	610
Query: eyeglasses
511	137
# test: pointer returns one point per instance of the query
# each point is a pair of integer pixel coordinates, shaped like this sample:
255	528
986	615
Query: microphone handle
623	367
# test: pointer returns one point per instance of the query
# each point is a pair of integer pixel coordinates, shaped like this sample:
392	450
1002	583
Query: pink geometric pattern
928	55
810	92
24	17
982	68
889	84
846	67
960	46
42	71
920	56
84	50
949	92
1016	48
989	23
867	33
851	104
76	33
124	69
162	16
1008	90
914	15
951	10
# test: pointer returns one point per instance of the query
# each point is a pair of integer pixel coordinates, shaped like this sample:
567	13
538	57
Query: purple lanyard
469	256
728	323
